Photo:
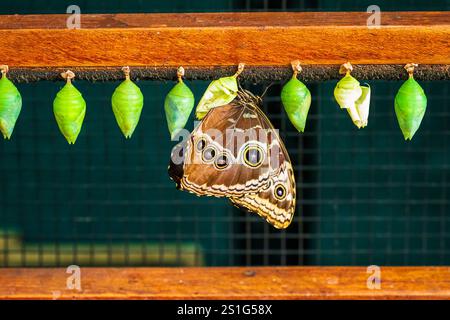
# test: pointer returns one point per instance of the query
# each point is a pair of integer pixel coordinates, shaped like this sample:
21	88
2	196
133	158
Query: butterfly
235	152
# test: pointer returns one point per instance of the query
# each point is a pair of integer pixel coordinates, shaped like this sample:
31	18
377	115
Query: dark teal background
365	196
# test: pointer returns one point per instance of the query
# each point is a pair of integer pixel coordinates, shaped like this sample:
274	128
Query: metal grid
364	196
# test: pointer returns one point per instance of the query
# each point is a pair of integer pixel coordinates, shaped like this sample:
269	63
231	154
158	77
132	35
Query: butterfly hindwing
235	152
276	203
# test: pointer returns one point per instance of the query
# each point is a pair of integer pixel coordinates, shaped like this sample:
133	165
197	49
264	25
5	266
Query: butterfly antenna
267	88
247	97
242	93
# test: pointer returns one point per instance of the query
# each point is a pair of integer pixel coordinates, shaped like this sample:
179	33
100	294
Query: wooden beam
211	40
227	283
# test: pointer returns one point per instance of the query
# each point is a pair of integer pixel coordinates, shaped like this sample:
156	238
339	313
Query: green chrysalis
127	102
410	104
10	104
69	108
296	99
219	93
178	105
350	95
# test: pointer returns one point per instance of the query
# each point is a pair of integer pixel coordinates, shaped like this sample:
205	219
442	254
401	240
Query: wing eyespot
209	154
222	161
200	144
279	191
253	156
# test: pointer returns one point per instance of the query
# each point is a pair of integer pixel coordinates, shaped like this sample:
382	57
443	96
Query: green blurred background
364	196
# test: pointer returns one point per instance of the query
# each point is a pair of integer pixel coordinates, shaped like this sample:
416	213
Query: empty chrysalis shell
10	104
218	93
352	96
362	106
178	105
69	108
410	104
296	99
354	115
127	102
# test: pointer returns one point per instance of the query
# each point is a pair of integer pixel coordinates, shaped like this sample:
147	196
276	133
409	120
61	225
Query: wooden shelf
227	283
156	43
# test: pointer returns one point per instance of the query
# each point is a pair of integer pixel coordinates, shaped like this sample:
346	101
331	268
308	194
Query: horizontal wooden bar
225	20
227	283
224	39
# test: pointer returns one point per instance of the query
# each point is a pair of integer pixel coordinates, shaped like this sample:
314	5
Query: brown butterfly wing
242	132
276	206
220	133
276	202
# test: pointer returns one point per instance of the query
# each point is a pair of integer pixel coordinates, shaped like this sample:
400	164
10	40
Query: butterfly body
236	153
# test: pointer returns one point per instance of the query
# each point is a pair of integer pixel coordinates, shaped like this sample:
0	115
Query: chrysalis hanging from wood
352	96
178	105
10	104
127	102
296	99
410	104
69	108
220	92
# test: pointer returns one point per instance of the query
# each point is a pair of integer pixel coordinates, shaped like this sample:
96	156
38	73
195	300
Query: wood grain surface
227	283
225	19
225	39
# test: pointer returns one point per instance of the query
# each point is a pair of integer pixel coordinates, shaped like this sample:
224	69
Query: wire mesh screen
364	196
